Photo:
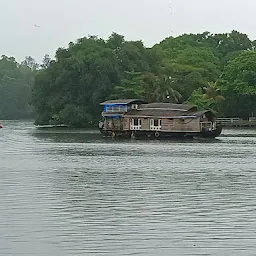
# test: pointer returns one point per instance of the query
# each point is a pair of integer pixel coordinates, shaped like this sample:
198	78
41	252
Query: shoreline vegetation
211	71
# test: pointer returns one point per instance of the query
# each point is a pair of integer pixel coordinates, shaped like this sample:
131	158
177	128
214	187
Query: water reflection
73	193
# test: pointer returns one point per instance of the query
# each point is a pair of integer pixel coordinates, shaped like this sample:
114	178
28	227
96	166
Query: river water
73	193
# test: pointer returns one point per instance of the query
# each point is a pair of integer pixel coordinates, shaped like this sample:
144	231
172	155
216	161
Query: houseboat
132	118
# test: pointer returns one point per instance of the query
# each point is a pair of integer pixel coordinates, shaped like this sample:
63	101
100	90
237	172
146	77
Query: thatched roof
165	113
169	106
158	110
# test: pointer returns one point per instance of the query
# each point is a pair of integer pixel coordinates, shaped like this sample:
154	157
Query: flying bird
37	26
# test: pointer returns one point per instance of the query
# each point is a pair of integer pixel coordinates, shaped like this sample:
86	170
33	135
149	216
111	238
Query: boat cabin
114	111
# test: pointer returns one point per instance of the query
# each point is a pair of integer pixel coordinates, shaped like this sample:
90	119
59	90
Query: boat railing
228	120
252	119
135	127
155	128
206	125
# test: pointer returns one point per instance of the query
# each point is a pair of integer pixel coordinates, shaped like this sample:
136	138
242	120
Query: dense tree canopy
214	71
238	83
87	72
16	82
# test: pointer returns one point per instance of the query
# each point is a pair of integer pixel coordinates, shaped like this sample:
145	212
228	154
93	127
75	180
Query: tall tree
30	62
46	61
239	85
212	92
165	91
15	86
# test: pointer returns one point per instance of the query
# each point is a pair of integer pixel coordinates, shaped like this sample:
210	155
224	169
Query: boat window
136	124
116	108
135	121
155	124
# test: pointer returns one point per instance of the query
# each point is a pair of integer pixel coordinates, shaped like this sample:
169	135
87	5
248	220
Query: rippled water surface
72	193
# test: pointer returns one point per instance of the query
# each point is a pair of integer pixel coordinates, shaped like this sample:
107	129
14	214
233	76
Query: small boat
1	126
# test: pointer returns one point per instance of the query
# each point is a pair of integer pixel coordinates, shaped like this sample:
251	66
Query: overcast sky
62	21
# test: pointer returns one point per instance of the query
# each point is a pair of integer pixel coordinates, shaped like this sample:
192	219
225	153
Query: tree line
16	85
212	71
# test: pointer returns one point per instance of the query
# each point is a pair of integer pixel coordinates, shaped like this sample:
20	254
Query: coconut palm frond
219	98
205	96
212	92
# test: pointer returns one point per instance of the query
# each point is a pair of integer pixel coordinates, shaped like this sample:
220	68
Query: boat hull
161	135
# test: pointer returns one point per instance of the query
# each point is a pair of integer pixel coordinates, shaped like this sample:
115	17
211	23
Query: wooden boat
132	118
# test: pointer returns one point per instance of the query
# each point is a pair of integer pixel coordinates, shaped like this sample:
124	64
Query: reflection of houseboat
135	118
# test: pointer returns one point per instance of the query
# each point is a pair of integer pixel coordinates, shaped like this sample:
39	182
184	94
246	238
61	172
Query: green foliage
198	100
148	86
69	88
225	44
131	87
193	68
207	98
212	92
238	82
240	74
165	90
16	81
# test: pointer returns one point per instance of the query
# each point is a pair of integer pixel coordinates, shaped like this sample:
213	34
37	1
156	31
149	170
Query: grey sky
62	21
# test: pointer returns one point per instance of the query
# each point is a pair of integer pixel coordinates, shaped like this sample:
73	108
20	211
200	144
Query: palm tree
164	90
212	92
